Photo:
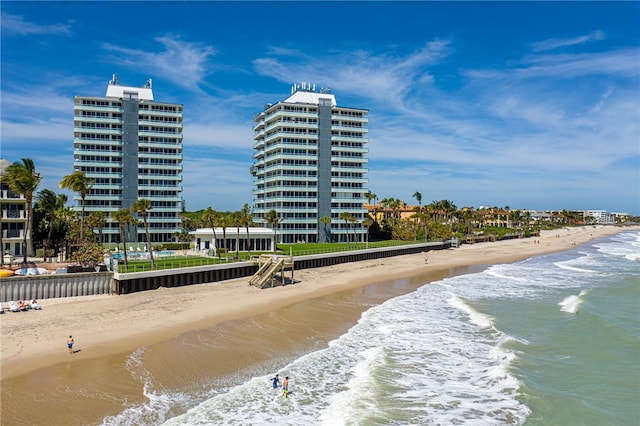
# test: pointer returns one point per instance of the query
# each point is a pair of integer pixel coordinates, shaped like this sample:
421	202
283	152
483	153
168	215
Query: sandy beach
107	328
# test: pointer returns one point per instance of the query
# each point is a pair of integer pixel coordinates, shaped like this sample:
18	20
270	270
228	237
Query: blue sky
530	105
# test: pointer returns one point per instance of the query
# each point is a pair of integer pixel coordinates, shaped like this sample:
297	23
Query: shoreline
108	325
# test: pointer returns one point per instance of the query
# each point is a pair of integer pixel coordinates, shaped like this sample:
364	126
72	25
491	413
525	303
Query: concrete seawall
84	284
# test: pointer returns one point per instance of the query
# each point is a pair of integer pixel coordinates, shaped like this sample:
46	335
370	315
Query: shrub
89	255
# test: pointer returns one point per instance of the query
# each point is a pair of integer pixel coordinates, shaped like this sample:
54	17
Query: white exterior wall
261	239
98	146
288	167
602	217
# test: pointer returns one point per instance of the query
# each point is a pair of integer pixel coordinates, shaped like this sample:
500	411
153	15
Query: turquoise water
552	340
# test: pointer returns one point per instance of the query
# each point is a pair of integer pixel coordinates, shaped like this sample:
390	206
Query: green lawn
171	262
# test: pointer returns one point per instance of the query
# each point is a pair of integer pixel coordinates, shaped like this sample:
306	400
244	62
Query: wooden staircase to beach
271	270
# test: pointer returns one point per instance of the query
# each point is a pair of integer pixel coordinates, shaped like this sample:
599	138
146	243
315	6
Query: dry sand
106	325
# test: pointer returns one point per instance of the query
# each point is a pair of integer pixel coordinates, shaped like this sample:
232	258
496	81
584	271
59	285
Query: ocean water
552	340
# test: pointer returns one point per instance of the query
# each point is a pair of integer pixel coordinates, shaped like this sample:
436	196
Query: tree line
56	224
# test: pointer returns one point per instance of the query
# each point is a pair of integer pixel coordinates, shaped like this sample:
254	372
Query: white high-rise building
310	159
130	146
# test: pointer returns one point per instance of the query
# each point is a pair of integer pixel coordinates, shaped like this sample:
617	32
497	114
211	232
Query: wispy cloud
555	43
181	62
383	76
16	25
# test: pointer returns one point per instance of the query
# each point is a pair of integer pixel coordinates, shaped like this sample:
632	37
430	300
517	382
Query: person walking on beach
285	387
70	344
276	381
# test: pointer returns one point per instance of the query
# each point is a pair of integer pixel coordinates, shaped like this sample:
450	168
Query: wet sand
193	337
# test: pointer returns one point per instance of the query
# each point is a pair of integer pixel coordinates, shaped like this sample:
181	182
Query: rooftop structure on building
130	147
310	158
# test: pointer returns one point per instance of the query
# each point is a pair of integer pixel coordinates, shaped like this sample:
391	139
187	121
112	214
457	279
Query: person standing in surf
285	387
276	381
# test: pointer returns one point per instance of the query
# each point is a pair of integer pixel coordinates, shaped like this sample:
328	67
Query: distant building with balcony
310	158
130	147
14	217
601	217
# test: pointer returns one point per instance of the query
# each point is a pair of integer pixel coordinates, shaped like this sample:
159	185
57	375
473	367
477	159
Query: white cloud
181	62
16	25
35	130
555	43
384	77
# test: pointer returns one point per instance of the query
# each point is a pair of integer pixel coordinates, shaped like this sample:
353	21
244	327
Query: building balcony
97	163
160	113
336	150
159	134
282	199
281	113
290	124
349	179
12	233
96	175
89	119
307	179
17	215
7	194
177	188
349	169
97	108
160	122
277	135
96	142
358	139
348	128
155	166
102	152
341	114
177	143
77	130
150	155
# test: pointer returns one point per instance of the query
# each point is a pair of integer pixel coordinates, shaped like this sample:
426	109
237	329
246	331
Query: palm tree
210	217
246	219
97	219
353	220
184	237
325	220
346	216
272	219
123	217
418	197
225	220
449	207
50	205
370	196
235	219
367	224
23	179
78	182
142	207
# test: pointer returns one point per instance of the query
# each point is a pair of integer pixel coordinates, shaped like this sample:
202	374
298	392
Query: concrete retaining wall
141	281
84	284
54	286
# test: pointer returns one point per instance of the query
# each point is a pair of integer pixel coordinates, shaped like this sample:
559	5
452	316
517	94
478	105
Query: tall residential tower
310	159
130	147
